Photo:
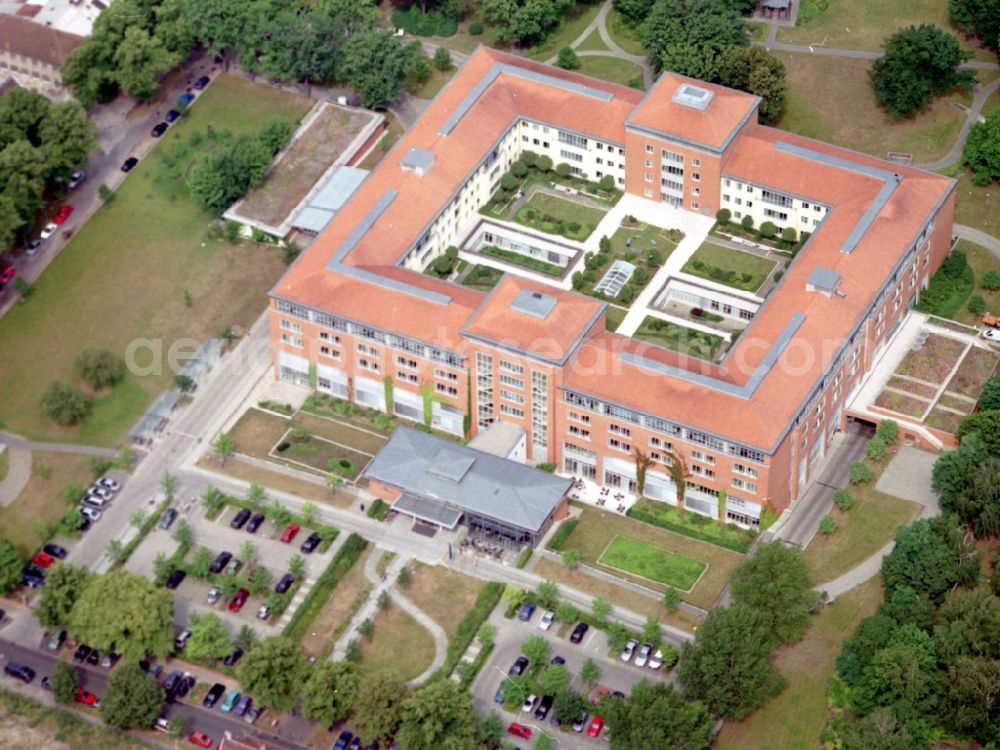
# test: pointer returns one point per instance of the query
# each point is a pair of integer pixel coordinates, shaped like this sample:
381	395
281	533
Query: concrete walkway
955	153
18	474
13	441
978	236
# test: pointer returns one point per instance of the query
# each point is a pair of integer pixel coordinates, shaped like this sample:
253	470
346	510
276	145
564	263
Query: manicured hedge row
737	545
559	538
469	626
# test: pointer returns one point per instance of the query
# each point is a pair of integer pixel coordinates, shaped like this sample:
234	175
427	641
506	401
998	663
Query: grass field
847	115
651	562
338	607
4	464
400	647
976	206
981	260
124	275
794	718
687	341
593	43
597	528
624	34
554	215
41	501
726	260
614	317
575	20
249	472
482	278
443	594
858	24
612	69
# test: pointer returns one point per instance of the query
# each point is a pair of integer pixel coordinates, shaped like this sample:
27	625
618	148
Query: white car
643	656
214	594
50	229
656	660
991	334
264	612
76	178
100	492
529	703
108	484
629	651
90	514
162	725
547	619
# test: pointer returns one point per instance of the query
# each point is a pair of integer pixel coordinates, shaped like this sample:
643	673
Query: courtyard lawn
320	455
277	480
614	317
975	206
687	341
575	20
554	215
525	261
124	275
335	615
597	528
794	719
41	502
400	647
651	562
644	239
725	265
980	260
847	115
624	33
443	594
858	24
592	43
482	278
612	69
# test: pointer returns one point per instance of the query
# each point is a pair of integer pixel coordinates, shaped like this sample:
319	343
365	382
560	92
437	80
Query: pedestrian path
18	474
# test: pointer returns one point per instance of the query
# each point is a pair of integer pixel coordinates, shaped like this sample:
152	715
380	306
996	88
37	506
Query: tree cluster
524	22
39	140
967	478
978	18
928	660
981	153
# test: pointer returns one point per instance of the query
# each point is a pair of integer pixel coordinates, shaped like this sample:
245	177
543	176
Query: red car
519	730
289	534
42	560
7	274
239	600
85	697
595	726
62	214
200	739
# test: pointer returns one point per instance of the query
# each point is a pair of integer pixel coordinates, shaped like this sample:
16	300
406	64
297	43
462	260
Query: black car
168	517
94	658
311	543
578	632
55	550
220	562
342	741
255	522
557	660
129	164
159	129
81	653
543	708
31	581
284	584
33	570
173	680
3	614
202	82
519	665
213	695
19	671
183	686
240	518
84	522
175	578
172	115
233	657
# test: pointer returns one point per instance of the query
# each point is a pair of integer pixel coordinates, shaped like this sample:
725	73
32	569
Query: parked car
557	660
94	658
242	705
596	725
529	703
56	640
85	697
182	638
33	247
110	659
185	99
253	714
499	695
629	651
289	533
520	664
200	739
90	514
544	707
233	567
578	632
168	518
172	115
547	619
581	722
75	178
55	550
526	612
19	672
62	214
101	492
991	334
50	229
183	687
233	657
159	129
81	653
284	583
108	484
214	594
255	523
230	701
93	501
202	82
174	579
162	725
342	741
42	560
643	656
241	517
519	730
84	522
129	164
264	612
173	680
221	560
239	600
32	581
311	543
656	660
213	695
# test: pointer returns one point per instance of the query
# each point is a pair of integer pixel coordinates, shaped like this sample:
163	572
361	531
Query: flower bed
900	403
976	369
933	361
946	421
912	386
954	402
550	269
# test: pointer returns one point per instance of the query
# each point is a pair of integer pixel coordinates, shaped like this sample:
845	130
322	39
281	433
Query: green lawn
482	277
612	69
981	260
651	562
576	19
624	33
976	206
688	341
614	317
726	265
592	43
400	647
554	215
847	114
124	275
4	464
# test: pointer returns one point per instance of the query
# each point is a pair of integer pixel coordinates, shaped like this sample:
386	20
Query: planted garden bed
525	261
912	386
900	403
933	360
977	367
678	338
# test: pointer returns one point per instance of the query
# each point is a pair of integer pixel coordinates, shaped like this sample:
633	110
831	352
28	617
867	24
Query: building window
371	351
368	365
288	325
511	411
448	390
445	375
570	155
695	206
649	148
572	139
408	377
741	484
539	410
517	398
697	163
747	470
695	191
578	431
406	362
511	367
696	176
291	340
617	429
620	445
484	389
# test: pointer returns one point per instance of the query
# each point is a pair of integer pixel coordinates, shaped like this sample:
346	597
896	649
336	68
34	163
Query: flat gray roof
466	480
498	439
329	198
428	510
823	279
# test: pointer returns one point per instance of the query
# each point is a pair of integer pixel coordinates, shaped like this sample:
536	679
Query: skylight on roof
533	303
693	97
420	160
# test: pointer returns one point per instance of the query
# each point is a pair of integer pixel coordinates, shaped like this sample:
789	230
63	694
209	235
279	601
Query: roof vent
532	303
419	160
897	176
693	97
823	280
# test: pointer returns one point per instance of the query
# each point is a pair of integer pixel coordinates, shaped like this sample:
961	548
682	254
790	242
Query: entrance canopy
428	510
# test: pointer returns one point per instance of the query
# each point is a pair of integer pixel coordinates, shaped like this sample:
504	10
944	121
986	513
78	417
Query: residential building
33	54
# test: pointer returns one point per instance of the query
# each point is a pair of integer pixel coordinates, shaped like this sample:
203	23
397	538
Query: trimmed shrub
562	534
843	499
990	280
888	430
723	215
788	234
828	526
747	222
519	169
768	230
877	449
860	473
977	305
475	28
563	169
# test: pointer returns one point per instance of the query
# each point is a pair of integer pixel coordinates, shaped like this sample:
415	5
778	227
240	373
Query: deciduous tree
64	404
438	715
692	37
272	672
375	63
210	638
655	716
11	563
132	700
99	368
63	586
377	710
329	691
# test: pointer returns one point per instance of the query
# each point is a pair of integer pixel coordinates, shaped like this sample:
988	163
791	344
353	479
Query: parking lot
615	674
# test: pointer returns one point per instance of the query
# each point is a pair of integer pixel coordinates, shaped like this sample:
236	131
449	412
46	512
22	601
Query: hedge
523	558
559	538
378	510
316	599
488	597
737	545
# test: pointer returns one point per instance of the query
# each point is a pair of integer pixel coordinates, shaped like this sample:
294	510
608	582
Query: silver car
90	514
108	484
629	651
214	594
101	492
643	656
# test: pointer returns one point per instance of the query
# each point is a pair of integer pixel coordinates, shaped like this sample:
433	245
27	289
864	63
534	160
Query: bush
747	222
723	215
434	23
99	368
606	183
568	59
442	58
475	28
379	510
990	280
421	70
64	403
860	473
977	305
563	169
544	163
523	558
876	449
888	430
843	499
488	597
562	534
519	169
342	562
788	234
768	230
827	526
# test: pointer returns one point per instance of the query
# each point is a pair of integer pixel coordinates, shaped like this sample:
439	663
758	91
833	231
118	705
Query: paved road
213	722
